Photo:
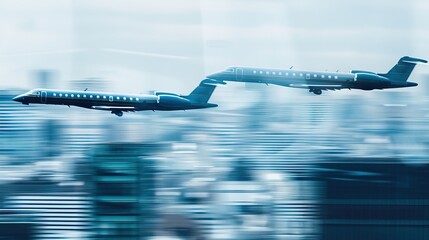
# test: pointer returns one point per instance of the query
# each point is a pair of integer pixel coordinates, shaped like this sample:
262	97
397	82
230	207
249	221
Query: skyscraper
123	182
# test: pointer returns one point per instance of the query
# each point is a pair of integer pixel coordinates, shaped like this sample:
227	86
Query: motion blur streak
268	163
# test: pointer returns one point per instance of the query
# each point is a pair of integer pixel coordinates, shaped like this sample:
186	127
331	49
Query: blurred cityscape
269	163
320	168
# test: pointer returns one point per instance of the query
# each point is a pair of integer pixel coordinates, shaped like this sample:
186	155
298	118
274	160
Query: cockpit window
230	69
34	92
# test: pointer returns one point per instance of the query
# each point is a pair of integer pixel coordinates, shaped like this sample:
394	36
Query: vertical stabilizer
203	92
403	69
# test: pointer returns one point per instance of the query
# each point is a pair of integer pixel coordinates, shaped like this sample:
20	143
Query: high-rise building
55	215
44	79
373	198
123	187
16	225
18	128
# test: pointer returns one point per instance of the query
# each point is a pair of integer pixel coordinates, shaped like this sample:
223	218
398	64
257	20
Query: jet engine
369	81
173	101
362	71
166	93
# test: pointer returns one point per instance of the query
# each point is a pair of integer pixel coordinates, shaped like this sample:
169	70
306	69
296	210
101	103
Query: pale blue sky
80	39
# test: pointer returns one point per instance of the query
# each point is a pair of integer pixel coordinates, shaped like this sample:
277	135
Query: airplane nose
216	75
18	98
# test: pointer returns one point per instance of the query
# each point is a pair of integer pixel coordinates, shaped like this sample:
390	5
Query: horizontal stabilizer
407	59
213	82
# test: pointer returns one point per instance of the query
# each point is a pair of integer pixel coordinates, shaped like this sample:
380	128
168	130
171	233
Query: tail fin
204	91
402	70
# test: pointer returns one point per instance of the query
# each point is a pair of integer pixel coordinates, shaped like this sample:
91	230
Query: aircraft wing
115	108
318	86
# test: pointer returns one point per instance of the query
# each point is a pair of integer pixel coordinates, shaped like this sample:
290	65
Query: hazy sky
171	45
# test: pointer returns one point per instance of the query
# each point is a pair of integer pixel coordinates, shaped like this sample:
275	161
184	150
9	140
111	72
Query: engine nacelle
166	93
173	101
362	71
368	81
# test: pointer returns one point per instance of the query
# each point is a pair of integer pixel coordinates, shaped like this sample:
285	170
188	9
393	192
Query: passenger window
54	94
66	95
72	95
336	77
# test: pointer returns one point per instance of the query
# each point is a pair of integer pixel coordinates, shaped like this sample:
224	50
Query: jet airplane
118	103
317	81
